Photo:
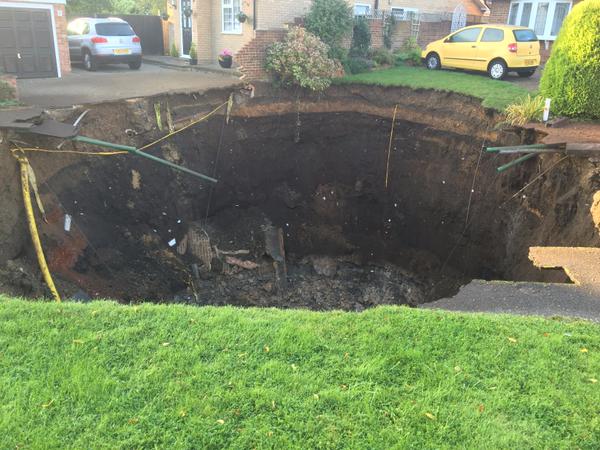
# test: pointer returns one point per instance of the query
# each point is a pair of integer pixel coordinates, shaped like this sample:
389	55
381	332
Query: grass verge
494	94
108	376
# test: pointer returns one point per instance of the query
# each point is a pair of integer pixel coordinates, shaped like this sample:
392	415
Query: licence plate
121	51
529	62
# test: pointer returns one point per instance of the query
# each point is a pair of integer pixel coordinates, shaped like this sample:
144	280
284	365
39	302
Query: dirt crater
312	167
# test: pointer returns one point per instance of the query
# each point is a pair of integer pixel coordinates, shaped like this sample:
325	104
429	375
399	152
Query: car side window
73	28
86	29
492	35
469	35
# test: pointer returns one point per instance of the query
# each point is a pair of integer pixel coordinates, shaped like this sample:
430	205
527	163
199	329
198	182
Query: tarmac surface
529	299
114	82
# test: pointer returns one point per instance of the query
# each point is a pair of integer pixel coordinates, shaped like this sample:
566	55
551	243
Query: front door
186	26
26	43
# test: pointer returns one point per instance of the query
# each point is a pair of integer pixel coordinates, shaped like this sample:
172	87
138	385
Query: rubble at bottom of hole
313	282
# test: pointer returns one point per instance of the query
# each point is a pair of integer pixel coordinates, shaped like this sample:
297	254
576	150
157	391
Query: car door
490	46
74	34
460	49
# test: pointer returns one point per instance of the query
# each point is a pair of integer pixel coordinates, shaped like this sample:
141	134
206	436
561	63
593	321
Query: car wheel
526	73
497	69
89	62
135	65
433	62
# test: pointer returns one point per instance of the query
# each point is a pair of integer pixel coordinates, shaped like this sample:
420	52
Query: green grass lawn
108	376
494	94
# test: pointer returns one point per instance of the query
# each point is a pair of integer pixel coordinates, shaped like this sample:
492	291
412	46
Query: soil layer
298	175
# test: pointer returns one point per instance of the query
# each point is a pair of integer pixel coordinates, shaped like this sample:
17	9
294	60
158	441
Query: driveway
113	82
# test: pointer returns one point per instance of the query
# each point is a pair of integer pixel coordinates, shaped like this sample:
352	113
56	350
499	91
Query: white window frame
534	8
403	15
362	5
237	25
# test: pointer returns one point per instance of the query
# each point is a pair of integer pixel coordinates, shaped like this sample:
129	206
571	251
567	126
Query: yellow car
492	48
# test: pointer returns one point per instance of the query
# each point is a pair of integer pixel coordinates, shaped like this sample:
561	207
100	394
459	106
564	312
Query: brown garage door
26	43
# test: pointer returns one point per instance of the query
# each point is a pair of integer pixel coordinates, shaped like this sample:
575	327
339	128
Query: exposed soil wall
315	167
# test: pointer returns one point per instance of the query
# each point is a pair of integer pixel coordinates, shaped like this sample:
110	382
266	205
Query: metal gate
459	18
148	28
27	43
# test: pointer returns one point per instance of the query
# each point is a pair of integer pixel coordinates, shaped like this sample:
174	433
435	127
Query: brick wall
251	58
499	11
60	18
376	26
272	14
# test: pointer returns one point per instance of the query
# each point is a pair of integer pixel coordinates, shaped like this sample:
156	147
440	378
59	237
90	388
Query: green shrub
388	31
409	54
7	92
174	52
354	65
193	52
408	58
361	37
524	111
330	21
383	57
571	77
302	59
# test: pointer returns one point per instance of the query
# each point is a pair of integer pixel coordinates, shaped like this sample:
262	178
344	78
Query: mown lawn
108	376
494	94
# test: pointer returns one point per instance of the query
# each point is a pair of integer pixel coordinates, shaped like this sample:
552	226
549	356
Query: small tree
572	75
330	21
302	59
361	37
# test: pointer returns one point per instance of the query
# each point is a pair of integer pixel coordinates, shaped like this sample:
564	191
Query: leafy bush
193	52
354	65
572	75
361	37
302	59
330	21
388	31
383	57
7	92
409	54
410	58
174	52
526	110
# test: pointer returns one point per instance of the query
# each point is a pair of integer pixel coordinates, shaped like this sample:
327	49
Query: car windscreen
525	36
114	29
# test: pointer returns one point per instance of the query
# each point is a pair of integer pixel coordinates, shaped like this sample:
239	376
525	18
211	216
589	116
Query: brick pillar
202	32
60	18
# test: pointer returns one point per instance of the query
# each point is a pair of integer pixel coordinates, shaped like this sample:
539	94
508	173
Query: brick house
213	26
33	38
545	17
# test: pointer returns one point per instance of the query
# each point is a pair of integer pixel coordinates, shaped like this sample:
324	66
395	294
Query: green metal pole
517	147
516	161
135	151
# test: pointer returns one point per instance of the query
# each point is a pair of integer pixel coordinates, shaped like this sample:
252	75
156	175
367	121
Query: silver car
100	41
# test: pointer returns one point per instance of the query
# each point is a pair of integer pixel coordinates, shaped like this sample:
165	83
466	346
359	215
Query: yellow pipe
35	237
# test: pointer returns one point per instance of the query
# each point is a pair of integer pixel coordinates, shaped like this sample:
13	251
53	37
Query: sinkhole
313	208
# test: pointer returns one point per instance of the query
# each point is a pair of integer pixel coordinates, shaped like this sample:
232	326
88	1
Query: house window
560	12
404	13
544	17
231	9
361	9
525	15
512	15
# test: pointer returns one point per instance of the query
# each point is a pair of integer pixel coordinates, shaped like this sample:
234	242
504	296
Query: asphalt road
113	82
530	299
